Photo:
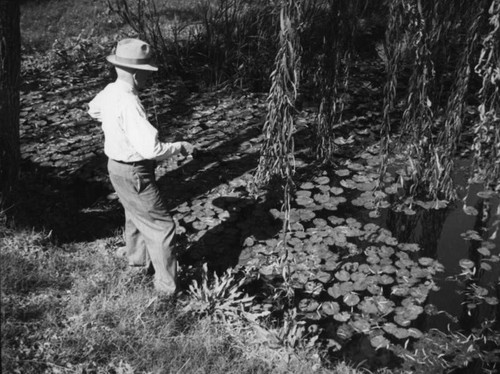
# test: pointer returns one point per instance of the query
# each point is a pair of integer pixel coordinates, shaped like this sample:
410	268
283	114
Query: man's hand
187	149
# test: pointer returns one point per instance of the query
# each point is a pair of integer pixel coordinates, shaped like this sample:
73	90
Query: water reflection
440	236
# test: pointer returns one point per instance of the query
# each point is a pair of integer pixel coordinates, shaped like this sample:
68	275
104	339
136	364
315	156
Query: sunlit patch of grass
77	308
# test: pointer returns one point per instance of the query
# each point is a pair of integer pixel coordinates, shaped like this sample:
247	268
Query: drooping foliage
486	145
439	39
277	154
332	76
441	74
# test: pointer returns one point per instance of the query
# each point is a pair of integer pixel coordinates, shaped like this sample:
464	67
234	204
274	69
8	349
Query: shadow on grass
71	209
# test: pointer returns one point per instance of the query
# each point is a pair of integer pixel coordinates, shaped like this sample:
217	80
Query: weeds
76	309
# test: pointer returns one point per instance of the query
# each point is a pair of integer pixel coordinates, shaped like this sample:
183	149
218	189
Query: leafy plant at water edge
222	299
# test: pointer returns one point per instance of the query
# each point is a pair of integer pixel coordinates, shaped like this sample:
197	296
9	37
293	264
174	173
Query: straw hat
133	53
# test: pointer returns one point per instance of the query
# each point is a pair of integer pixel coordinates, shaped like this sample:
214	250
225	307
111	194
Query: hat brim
112	60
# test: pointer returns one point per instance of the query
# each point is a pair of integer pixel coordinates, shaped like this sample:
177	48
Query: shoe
135	272
180	299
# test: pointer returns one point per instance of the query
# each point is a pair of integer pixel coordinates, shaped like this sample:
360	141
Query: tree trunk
10	62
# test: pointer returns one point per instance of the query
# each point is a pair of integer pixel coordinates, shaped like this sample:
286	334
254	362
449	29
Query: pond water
365	269
442	234
371	268
450	249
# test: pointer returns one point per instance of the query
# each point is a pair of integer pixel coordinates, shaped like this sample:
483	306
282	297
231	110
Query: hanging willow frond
332	76
449	136
486	146
394	41
417	119
277	153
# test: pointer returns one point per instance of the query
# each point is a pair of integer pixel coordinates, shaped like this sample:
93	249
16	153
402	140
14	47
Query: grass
76	308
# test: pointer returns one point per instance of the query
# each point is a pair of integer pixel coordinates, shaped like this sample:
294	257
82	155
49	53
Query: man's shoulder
118	93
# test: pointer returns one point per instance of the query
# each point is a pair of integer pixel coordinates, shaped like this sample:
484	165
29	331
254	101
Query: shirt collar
125	86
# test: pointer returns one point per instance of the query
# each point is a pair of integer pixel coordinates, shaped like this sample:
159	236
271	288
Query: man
132	146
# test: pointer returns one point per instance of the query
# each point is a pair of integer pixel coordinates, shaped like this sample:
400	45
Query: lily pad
304	193
385	251
313	288
368	306
470	210
360	285
400	290
323	276
486	194
348	183
415	333
322	180
373	259
335	291
374	289
410	247
484	251
402	321
396	331
361	325
491	300
345	331
342	172
330	308
304	200
355	166
342	316
369	186
307	186
466	263
385	279
308	305
334	220
331	264
322	198
471	235
379	341
392	189
351	299
425	261
336	190
324	188
486	266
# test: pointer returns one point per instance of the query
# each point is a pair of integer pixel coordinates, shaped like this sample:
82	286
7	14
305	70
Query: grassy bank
76	309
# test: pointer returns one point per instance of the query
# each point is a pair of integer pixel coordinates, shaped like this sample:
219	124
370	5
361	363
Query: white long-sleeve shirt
128	135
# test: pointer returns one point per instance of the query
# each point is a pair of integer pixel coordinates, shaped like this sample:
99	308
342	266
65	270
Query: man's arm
144	137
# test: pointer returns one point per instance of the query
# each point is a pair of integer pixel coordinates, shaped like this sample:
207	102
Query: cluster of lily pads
344	271
355	274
